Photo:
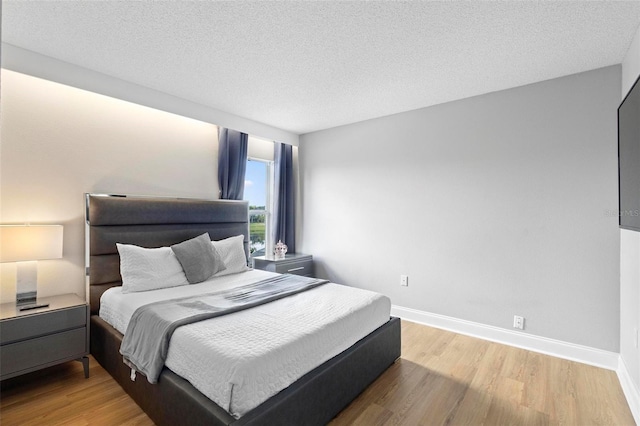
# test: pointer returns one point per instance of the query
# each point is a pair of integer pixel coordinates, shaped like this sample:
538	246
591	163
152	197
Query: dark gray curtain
232	163
284	197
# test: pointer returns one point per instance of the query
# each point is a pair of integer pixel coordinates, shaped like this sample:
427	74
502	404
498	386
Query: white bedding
242	359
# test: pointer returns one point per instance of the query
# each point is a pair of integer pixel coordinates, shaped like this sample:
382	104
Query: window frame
268	210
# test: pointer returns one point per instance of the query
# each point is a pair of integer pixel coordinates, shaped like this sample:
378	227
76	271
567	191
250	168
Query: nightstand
39	338
294	263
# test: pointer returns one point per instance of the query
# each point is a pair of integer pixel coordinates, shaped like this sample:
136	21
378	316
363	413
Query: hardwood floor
61	395
442	378
448	378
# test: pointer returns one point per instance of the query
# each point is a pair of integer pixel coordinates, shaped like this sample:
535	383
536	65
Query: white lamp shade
30	242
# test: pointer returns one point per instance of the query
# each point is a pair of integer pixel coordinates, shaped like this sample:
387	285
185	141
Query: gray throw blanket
146	341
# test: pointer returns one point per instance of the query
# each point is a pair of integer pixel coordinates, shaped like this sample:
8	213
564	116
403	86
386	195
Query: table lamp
25	245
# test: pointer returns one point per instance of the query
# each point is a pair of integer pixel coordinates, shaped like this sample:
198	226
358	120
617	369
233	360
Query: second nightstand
294	263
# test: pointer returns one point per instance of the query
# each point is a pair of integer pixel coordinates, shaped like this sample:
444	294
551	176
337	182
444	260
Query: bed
314	398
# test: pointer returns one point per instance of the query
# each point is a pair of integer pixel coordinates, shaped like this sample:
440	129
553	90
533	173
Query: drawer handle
296	269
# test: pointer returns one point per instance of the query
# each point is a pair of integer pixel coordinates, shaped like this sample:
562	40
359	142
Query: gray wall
630	256
493	205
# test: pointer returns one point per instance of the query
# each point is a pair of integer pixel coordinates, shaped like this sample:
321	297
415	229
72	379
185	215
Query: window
257	185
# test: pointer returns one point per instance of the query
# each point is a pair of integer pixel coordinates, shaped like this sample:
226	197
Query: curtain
232	163
284	197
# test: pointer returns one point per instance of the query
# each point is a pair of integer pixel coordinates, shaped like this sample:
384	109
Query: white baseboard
631	391
557	348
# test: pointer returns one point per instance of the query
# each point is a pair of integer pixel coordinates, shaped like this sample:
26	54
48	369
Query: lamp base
26	283
28	301
26	298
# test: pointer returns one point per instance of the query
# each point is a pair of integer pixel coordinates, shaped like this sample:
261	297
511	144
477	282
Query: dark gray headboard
150	222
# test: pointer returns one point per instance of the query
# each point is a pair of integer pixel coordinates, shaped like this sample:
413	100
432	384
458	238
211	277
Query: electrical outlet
518	322
404	280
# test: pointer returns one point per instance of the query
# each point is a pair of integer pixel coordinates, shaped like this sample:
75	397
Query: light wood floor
442	378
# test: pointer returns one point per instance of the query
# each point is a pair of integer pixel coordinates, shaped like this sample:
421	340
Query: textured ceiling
305	66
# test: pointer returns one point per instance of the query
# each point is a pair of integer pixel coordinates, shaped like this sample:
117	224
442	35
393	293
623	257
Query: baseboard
630	390
557	348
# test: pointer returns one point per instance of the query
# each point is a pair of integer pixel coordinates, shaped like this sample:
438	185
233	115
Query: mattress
242	359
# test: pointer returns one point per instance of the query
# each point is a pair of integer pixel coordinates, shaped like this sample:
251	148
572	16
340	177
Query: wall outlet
404	280
518	322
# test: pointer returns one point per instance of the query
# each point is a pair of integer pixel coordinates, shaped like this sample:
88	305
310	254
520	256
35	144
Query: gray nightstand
39	338
295	263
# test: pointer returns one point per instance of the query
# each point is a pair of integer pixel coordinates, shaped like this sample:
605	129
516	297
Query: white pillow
144	269
231	251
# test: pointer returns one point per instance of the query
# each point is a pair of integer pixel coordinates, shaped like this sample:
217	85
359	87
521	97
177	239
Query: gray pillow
199	259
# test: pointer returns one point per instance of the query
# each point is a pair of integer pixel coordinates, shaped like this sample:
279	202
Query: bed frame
314	399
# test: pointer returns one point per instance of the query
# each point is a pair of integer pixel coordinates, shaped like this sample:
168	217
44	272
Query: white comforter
242	359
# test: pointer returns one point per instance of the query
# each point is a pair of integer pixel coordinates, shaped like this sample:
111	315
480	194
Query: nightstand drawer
57	347
304	267
294	263
27	327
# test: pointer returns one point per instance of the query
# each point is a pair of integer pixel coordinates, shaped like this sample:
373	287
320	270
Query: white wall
58	142
630	257
31	63
260	148
493	205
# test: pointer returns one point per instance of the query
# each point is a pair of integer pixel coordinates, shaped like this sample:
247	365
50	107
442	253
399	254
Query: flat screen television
629	159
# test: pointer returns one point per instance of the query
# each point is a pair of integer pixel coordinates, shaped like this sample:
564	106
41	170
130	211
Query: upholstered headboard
150	222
